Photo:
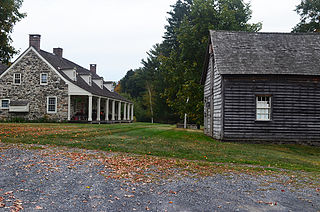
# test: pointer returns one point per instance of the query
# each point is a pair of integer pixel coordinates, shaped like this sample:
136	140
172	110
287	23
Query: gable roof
2	68
266	53
61	63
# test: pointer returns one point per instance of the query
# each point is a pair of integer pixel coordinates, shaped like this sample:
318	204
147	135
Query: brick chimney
34	40
58	52
93	68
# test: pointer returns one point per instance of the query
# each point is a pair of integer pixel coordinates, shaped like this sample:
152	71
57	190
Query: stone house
262	87
40	85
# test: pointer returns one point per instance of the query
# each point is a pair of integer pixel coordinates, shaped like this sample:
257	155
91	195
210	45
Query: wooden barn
262	87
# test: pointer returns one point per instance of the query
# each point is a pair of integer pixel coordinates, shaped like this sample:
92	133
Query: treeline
168	84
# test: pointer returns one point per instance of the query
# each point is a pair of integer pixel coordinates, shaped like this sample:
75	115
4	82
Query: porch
95	109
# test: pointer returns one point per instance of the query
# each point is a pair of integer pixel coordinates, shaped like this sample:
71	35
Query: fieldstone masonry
30	67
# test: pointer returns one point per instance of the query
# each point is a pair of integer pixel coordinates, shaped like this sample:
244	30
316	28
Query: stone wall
30	67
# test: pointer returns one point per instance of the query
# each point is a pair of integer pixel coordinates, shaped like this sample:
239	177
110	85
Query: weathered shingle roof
61	63
266	53
2	68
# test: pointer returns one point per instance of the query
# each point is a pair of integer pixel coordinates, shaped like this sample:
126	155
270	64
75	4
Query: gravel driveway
47	179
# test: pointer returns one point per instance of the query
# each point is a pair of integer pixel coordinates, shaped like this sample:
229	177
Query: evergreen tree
309	10
168	84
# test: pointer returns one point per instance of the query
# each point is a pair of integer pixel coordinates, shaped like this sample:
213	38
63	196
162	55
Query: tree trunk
150	101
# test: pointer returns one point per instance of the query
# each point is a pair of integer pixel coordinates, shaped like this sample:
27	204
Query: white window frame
263	108
14	79
42	83
74	75
55	109
90	80
5	108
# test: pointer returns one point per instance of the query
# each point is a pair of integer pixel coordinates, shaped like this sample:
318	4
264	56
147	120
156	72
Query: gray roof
2	68
266	53
61	63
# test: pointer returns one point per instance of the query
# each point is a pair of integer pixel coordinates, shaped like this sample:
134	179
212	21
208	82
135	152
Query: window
43	79
90	82
74	76
263	108
52	104
17	78
5	103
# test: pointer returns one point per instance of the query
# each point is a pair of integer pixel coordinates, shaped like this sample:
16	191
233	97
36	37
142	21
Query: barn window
263	108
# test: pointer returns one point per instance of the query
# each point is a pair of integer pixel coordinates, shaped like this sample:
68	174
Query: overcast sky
116	34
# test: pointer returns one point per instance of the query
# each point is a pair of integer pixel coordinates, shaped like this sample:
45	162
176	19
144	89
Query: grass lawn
165	141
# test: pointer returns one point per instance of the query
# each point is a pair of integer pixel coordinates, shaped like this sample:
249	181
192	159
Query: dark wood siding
217	104
213	101
295	108
208	101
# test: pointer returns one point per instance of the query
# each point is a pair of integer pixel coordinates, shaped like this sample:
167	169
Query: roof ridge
275	33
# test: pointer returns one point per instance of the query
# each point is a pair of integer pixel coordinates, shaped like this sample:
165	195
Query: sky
116	34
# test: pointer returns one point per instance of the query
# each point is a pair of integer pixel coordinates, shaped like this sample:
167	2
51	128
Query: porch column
98	108
90	108
132	112
119	111
107	110
128	118
69	107
125	111
113	109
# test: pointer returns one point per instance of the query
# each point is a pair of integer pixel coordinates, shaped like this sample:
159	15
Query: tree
183	67
9	16
309	10
180	10
171	73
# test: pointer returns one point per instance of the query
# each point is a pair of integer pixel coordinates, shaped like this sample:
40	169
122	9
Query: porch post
125	111
107	110
113	109
128	118
98	108
119	111
90	108
69	107
132	112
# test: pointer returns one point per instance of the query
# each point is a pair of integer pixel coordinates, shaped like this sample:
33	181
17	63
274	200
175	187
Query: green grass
165	141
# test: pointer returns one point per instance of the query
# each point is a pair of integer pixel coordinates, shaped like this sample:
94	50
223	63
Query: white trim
55	111
98	108
41	83
14	79
263	104
4	108
90	108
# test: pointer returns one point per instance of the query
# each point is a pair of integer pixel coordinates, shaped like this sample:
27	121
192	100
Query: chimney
34	40
93	68
58	52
